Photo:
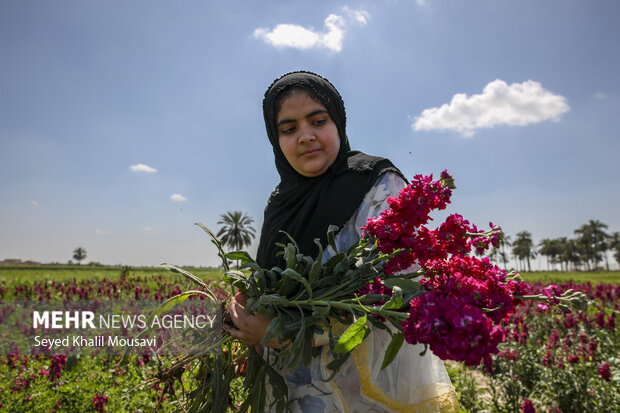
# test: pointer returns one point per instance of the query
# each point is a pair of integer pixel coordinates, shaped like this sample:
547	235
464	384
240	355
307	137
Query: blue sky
518	99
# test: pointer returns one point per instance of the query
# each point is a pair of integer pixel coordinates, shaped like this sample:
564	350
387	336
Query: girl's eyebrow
309	115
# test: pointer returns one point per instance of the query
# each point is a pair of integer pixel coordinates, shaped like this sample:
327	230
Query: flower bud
447	181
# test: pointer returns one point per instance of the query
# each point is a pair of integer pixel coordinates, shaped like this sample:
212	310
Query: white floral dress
411	383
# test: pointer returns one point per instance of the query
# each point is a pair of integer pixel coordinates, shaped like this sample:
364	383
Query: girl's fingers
237	312
241	299
240	319
238	334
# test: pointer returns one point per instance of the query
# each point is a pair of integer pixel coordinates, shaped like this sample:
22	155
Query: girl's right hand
249	327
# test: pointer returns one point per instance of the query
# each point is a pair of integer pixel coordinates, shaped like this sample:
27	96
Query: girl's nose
306	135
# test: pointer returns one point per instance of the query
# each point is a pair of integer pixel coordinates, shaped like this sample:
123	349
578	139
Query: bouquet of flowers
420	285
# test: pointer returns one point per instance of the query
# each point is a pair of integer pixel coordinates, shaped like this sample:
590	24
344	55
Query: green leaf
307	346
405	284
273	331
235	275
353	336
270	299
239	255
278	387
162	308
218	244
186	274
331	240
289	272
292	240
290	255
396	301
392	350
321	311
336	363
318	263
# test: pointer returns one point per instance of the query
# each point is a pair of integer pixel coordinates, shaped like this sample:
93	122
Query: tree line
585	251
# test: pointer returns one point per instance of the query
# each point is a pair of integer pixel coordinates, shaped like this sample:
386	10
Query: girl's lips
311	152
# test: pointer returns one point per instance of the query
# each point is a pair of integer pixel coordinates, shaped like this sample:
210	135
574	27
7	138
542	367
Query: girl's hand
250	328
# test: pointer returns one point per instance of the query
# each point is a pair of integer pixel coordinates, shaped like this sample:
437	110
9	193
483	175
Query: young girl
323	183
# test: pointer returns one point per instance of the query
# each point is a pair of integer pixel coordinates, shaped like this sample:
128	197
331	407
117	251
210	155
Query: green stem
345	306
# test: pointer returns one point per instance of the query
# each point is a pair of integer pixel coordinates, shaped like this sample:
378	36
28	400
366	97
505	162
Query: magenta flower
605	371
528	407
452	328
58	365
99	402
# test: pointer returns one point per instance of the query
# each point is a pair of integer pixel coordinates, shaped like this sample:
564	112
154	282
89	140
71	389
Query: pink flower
99	402
58	365
528	407
452	328
552	291
605	371
509	354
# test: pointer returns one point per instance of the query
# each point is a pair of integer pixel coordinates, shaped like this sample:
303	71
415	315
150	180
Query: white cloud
360	16
499	104
101	231
148	229
600	95
34	203
140	167
178	198
422	2
298	37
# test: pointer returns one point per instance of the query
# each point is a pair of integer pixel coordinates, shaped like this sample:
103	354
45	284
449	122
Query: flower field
550	363
39	383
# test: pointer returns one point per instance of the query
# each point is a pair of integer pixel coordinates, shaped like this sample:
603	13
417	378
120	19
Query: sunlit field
558	363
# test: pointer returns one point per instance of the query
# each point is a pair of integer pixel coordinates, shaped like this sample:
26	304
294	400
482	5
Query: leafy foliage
79	254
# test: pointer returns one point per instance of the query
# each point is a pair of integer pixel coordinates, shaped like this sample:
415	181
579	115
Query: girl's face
307	135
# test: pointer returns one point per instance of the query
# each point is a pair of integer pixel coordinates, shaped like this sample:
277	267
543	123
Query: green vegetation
40	273
556	277
28	274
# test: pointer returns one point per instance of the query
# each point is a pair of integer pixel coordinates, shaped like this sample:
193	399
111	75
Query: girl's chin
312	172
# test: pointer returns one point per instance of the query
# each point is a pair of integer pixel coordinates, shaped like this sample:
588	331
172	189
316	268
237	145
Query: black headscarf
304	206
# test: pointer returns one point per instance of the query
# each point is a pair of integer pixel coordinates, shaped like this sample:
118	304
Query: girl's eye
287	131
319	122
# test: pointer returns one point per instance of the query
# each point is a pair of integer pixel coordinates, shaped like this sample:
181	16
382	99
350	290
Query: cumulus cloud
140	167
600	95
178	198
34	203
148	229
299	37
498	104
101	231
422	2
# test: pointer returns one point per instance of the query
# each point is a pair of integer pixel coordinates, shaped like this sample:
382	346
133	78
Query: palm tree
614	245
237	231
79	254
522	248
550	248
569	253
503	243
591	239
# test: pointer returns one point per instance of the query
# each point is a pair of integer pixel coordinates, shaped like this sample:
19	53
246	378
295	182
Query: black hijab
304	206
